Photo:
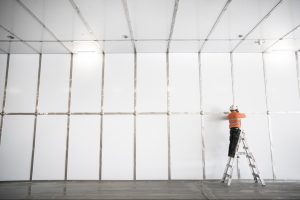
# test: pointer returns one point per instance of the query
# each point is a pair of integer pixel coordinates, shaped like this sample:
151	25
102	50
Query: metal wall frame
135	113
268	115
4	95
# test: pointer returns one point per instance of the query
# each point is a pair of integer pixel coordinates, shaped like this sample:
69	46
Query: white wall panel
282	20
3	60
17	20
184	82
50	146
54	85
185	46
142	12
285	131
195	18
282	85
106	18
122	46
216	134
257	135
15	47
15	149
152	148
252	46
151	46
117	157
249	82
84	47
86	85
232	23
186	147
61	18
119	82
49	47
219	46
84	147
22	83
151	83
216	81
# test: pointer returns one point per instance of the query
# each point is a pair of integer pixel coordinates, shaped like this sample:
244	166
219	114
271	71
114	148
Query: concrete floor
148	190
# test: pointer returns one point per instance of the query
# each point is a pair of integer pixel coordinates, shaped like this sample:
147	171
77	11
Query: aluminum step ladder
227	176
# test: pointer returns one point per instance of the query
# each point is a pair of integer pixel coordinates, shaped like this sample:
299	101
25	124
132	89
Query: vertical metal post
35	116
298	71
201	115
135	112
268	115
35	123
4	95
168	116
233	103
68	120
102	115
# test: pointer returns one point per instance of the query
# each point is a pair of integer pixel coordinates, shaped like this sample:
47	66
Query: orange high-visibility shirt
235	119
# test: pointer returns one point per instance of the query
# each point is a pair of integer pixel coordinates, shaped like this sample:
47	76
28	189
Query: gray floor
148	190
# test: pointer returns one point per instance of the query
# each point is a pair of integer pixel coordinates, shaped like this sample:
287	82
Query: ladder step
228	165
255	175
249	156
228	175
251	165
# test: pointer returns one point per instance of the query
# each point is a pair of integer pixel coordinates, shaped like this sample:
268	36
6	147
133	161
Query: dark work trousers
234	138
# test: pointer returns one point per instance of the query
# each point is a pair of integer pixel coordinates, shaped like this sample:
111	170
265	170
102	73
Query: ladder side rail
234	159
253	165
226	169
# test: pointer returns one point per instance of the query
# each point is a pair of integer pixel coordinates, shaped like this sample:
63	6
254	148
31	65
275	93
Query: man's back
235	119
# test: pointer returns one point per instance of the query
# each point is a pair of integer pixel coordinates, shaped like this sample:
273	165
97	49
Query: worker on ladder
234	118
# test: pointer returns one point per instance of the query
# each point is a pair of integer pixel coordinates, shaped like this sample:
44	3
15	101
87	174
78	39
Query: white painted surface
86	85
232	23
286	139
152	148
196	17
84	145
249	82
117	161
54	85
16	146
22	83
119	83
147	25
186	147
106	18
216	133
216	82
118	130
184	83
283	88
151	83
60	18
50	147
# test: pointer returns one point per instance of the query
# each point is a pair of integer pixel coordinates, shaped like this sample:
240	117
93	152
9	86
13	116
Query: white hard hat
234	107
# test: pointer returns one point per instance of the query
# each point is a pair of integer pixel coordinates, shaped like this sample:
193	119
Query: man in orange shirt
234	118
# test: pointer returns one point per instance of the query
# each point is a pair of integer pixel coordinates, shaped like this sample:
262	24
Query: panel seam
4	95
